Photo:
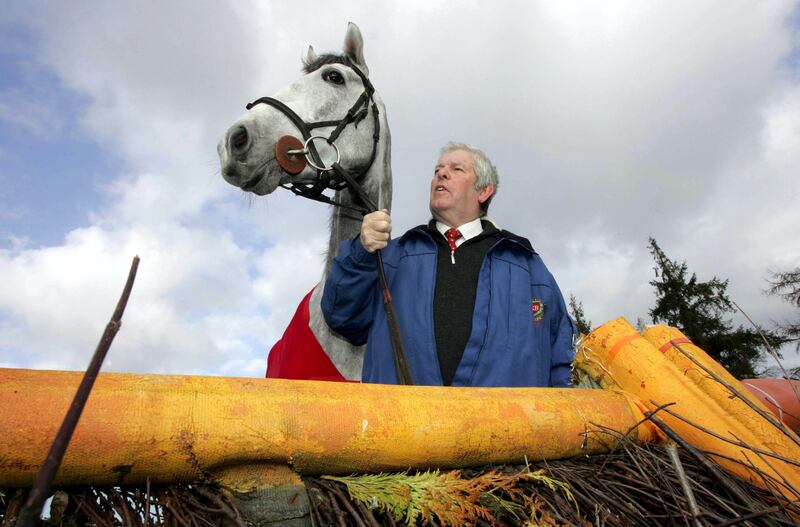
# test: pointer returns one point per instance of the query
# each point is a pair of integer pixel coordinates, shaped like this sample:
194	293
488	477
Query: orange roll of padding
701	369
178	428
619	357
676	346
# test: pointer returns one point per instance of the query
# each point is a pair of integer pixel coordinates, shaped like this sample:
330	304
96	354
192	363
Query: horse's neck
346	224
377	182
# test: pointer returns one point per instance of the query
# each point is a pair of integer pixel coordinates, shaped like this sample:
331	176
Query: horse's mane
325	59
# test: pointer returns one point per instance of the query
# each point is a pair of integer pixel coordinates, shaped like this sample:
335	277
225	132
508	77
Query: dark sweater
454	297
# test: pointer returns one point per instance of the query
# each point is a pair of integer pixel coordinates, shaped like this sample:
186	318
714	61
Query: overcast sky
609	122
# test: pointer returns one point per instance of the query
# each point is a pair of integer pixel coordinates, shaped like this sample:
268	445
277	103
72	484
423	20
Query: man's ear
486	193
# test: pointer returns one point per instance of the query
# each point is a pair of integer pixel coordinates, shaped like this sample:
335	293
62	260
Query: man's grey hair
485	171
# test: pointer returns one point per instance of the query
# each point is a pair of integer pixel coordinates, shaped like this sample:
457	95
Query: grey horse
330	87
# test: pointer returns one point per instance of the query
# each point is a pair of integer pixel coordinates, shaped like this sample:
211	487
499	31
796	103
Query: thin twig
175	514
147	504
366	514
225	508
333	487
769	482
747	517
769	348
746	464
699	457
330	500
122	508
735	441
316	519
30	513
89	511
629	430
785	481
768	416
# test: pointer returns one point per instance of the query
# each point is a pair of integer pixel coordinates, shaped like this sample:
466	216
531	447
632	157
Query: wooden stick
32	510
147	505
713	469
672	450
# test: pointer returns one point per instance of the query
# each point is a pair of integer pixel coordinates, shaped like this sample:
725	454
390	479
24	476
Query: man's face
454	199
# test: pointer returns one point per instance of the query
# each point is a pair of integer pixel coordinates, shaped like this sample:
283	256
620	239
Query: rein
342	179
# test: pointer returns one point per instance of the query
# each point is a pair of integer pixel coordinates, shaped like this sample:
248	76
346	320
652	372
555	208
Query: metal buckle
310	161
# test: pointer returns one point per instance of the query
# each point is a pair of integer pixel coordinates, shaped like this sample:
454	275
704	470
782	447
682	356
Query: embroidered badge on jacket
537	307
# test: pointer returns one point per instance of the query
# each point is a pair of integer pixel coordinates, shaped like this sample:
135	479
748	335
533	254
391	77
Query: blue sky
610	123
46	154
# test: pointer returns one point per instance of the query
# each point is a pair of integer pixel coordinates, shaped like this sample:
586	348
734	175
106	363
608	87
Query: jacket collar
429	231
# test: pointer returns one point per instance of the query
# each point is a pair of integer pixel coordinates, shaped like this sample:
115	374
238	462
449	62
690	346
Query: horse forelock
328	58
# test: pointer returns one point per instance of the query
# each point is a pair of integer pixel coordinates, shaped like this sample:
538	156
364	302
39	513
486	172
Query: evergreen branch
446	497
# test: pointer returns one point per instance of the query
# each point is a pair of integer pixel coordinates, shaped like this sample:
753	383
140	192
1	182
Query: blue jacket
521	332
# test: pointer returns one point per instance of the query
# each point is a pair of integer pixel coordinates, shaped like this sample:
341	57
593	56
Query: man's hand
375	230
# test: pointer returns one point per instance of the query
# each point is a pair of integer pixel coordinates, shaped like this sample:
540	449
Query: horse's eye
333	76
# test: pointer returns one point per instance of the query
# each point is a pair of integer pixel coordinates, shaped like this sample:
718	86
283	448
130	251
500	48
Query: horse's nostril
239	139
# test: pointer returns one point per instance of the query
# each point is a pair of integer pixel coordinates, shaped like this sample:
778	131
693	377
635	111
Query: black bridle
342	179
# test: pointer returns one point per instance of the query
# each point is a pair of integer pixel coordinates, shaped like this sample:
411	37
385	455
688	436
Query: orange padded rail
179	428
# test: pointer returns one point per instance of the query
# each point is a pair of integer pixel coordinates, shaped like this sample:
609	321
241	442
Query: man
476	306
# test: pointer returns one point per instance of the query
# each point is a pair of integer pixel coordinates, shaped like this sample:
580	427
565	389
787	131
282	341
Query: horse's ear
311	56
354	46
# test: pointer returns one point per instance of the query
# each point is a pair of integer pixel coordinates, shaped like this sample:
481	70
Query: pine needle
555	485
446	497
409	497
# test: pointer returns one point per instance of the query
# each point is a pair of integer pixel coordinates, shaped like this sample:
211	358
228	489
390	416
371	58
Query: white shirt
468	230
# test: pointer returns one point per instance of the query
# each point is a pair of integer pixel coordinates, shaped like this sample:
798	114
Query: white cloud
609	123
199	303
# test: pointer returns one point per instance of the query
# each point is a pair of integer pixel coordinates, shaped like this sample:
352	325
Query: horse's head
331	87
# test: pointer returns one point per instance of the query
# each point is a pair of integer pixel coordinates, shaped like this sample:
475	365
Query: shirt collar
468	230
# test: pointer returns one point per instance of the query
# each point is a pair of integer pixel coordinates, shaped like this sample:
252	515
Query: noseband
334	177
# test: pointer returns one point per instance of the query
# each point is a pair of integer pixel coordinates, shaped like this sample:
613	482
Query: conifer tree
701	310
576	309
786	284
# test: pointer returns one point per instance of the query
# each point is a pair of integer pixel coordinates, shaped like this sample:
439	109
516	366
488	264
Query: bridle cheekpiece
289	149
